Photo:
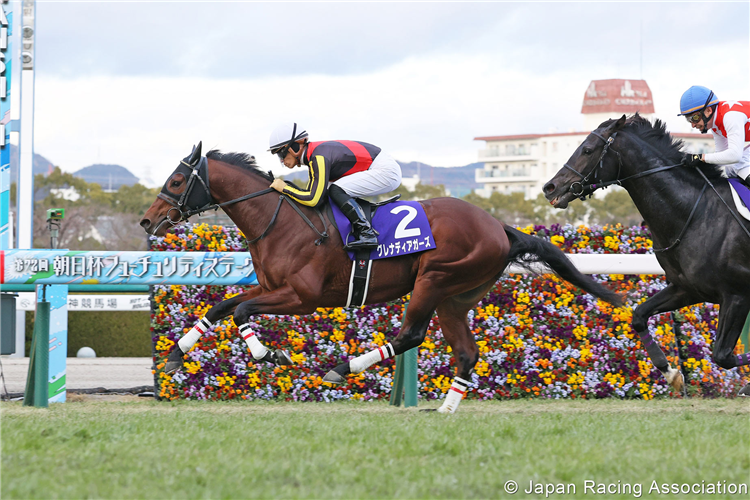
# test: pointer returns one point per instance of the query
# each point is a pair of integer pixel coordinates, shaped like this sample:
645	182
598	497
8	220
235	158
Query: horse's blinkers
191	201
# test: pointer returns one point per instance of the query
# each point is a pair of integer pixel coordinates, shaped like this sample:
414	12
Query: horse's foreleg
412	333
283	300
217	312
669	299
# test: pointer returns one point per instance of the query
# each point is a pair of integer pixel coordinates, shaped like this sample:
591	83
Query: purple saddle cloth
742	190
402	226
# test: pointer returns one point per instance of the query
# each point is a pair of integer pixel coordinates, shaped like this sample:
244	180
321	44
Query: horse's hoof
282	358
174	361
745	392
334	378
675	379
172	367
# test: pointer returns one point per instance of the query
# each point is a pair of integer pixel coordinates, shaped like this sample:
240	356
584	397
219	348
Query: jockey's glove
278	185
692	160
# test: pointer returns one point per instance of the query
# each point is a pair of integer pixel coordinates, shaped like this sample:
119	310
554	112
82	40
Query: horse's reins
185	212
587	189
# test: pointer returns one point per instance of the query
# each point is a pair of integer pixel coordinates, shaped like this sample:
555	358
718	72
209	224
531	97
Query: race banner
66	267
26	301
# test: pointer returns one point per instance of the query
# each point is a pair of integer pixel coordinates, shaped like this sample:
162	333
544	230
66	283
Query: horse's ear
196	154
619	123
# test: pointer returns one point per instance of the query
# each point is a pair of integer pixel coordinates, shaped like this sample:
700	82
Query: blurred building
524	162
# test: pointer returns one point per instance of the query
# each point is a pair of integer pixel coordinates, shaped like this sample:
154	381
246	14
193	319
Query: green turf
145	449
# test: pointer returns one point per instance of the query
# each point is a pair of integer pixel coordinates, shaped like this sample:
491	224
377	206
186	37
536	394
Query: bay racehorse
702	246
301	264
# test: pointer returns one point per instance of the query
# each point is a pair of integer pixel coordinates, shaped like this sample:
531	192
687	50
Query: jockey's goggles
698	115
281	152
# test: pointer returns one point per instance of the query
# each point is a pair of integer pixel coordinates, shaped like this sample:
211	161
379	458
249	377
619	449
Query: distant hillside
450	177
459	180
41	165
109	177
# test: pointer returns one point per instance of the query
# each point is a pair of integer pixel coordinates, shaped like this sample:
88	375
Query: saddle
362	265
741	195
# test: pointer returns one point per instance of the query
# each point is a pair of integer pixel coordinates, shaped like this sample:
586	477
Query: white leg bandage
190	338
257	349
454	396
361	363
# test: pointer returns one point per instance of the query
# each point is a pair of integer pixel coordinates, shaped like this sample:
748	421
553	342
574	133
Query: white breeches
383	176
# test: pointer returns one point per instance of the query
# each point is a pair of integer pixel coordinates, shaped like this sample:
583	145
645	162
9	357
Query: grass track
134	448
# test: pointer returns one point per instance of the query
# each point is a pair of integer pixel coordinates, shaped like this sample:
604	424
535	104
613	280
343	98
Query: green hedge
124	334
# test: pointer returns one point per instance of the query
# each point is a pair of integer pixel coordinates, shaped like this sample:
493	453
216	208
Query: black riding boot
365	237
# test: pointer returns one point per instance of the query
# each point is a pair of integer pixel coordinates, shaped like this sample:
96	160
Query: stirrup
362	244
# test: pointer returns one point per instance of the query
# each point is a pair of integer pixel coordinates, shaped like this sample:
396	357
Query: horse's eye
175	184
587	151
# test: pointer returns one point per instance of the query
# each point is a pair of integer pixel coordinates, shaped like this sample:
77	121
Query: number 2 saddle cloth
402	229
741	195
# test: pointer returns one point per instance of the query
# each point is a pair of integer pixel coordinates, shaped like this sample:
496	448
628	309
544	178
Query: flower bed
539	337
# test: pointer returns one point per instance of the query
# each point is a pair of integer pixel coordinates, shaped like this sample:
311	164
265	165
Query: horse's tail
526	250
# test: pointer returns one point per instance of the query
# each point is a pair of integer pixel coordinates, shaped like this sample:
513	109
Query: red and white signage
618	96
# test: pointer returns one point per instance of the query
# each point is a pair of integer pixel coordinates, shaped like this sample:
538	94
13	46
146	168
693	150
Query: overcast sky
137	84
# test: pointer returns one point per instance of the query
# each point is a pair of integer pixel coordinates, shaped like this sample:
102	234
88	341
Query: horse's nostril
145	223
549	187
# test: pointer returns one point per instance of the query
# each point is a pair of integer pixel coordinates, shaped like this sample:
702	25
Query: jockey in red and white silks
729	122
353	169
731	131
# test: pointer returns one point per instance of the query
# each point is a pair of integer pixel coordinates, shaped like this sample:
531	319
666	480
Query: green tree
94	220
512	208
135	199
421	192
616	207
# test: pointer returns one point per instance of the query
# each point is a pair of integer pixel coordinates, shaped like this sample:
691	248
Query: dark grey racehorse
703	248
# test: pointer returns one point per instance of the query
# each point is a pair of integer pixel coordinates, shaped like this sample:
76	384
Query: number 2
401	231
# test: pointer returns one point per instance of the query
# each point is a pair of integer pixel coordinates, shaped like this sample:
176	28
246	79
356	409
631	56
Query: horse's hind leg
455	326
669	299
412	334
732	317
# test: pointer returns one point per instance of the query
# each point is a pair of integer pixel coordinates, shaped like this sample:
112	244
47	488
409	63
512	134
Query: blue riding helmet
695	99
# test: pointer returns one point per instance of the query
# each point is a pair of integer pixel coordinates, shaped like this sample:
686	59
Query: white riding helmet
285	135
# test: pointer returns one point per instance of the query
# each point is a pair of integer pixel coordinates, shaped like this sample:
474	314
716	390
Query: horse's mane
656	135
244	160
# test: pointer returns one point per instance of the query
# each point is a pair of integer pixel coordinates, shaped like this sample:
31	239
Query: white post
20	333
26	147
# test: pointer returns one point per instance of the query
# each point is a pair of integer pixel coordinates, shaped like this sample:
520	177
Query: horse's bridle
188	203
587	188
201	201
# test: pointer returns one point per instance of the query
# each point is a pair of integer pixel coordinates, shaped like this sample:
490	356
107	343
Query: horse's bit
204	201
587	189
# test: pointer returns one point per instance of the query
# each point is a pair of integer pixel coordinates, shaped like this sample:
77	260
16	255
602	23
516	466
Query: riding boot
365	237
